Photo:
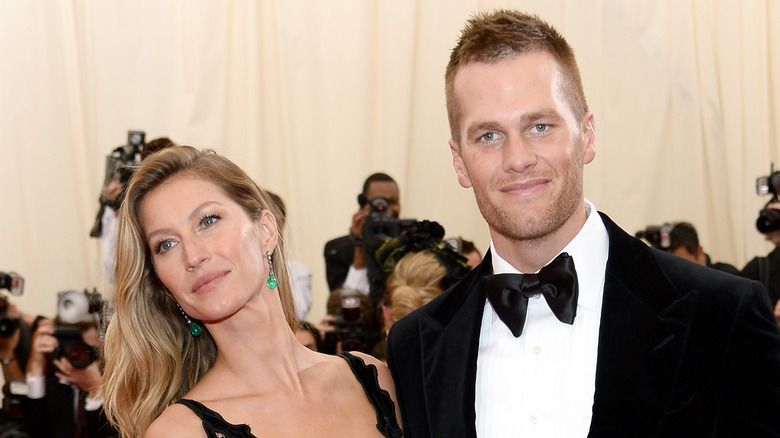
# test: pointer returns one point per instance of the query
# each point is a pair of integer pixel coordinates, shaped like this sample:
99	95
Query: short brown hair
492	37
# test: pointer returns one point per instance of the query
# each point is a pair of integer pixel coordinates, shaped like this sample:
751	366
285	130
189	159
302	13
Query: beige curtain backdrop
312	96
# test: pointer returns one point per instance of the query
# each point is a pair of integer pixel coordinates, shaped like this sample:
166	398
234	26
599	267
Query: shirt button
537	349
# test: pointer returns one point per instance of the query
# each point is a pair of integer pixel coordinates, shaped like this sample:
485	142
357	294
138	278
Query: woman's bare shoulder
176	420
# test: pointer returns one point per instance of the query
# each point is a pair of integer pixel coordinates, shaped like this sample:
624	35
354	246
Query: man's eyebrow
540	115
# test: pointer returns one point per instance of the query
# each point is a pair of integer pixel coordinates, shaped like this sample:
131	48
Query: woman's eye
163	246
209	221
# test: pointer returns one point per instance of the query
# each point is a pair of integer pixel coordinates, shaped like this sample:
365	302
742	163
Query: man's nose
518	154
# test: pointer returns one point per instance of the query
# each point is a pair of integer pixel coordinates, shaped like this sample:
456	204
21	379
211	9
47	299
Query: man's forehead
382	188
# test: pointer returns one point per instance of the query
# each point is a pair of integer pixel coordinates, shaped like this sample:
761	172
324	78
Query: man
345	263
767	269
654	347
684	242
64	397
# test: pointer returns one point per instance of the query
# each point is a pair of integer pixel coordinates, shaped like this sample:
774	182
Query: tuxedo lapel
450	343
645	324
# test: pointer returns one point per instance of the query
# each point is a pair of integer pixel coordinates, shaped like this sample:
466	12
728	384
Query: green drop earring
195	329
271	279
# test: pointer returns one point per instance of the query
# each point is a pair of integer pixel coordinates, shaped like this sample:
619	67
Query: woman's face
206	250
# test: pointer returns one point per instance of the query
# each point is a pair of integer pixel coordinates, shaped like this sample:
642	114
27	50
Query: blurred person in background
766	269
300	275
684	242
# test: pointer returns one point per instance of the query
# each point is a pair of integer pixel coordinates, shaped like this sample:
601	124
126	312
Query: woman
201	342
415	281
418	265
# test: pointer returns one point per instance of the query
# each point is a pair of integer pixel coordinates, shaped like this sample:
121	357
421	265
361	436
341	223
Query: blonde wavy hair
416	280
151	359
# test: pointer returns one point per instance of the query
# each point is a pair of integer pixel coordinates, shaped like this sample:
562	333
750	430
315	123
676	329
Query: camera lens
350	304
81	355
768	220
8	326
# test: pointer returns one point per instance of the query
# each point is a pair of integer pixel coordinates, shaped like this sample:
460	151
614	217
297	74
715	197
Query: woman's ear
269	231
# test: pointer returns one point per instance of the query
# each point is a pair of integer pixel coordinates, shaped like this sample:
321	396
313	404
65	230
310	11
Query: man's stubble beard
520	226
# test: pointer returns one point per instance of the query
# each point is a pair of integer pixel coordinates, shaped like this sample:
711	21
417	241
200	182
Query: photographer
767	269
64	380
15	343
119	168
345	262
684	242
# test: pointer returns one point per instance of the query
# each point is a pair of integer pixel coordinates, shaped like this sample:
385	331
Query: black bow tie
509	293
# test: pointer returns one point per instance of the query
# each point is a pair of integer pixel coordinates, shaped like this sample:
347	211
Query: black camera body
379	207
8	324
15	285
350	328
72	347
657	236
768	218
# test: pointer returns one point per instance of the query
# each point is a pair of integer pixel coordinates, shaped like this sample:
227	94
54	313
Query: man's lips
208	279
524	186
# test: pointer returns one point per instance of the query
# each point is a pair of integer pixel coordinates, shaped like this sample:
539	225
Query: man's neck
530	255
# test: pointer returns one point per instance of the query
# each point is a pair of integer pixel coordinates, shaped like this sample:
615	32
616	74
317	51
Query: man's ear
589	135
460	167
700	256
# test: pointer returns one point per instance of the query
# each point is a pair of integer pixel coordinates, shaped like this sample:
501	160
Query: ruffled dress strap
213	423
387	423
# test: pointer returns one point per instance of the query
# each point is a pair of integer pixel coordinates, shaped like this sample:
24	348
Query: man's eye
490	136
540	127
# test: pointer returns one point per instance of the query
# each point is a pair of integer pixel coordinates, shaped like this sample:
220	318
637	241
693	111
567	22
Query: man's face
389	191
521	147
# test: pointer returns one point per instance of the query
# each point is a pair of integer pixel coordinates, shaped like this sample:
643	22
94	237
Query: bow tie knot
557	282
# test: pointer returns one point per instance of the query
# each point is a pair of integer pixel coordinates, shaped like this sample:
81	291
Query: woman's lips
208	279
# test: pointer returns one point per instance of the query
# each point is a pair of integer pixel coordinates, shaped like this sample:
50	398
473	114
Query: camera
350	328
8	324
768	218
120	165
74	306
13	282
72	347
378	209
381	224
15	285
658	236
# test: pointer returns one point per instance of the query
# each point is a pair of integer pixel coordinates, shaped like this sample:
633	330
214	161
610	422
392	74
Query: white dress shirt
541	384
357	278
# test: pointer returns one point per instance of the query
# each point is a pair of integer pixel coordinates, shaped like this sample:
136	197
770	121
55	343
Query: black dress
216	426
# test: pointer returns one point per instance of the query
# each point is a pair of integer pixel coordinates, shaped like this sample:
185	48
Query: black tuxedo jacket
684	351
